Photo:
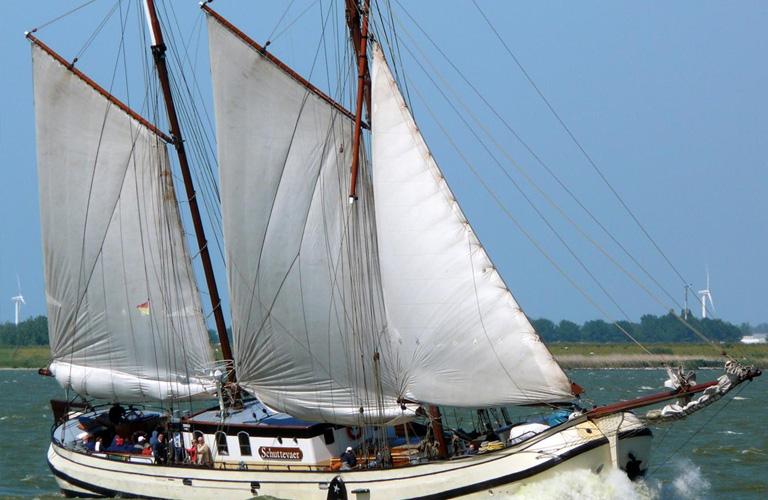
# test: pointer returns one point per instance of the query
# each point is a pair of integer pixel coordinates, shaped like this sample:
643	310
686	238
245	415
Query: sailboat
362	302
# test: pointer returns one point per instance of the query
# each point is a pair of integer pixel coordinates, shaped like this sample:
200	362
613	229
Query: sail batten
125	320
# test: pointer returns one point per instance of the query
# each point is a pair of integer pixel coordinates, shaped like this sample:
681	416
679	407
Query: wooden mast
437	427
158	53
358	30
360	42
353	22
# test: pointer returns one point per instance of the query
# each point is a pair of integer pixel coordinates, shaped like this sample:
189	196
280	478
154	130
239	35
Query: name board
276	453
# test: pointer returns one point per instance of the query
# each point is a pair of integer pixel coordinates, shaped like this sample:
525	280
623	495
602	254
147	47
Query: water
25	426
720	452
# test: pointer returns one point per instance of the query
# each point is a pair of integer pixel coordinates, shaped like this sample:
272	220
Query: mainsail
307	312
461	337
329	323
125	320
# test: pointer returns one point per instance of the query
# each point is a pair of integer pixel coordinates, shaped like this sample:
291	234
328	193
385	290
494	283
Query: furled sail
125	322
462	338
307	313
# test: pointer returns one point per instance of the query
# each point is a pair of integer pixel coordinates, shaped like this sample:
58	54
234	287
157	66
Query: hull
574	445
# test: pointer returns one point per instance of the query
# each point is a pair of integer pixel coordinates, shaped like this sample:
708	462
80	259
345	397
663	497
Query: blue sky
668	98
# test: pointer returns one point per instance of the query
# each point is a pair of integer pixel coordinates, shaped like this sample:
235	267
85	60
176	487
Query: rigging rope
577	143
272	38
457	97
96	32
493	109
520	227
279	21
62	16
696	432
584	234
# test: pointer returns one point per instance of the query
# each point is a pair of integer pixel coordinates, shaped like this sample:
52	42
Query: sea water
720	452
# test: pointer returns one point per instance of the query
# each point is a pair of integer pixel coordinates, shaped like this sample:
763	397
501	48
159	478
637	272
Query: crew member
348	459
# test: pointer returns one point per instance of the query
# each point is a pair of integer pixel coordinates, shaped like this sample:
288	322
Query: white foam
580	484
689	483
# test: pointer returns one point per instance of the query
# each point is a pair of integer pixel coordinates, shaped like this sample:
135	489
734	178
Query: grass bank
24	356
633	356
568	355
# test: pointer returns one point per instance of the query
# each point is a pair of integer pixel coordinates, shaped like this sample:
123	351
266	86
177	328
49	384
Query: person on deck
456	445
192	453
176	445
116	414
141	442
348	459
203	453
384	457
119	445
153	437
160	449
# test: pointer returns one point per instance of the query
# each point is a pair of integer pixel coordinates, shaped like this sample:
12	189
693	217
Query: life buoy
354	433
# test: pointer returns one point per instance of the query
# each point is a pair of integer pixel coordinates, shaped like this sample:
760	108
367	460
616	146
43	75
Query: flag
143	308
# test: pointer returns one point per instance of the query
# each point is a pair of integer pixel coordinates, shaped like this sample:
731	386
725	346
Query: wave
579	484
688	484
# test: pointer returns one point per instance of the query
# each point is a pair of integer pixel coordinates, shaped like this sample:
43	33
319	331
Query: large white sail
463	339
306	307
124	316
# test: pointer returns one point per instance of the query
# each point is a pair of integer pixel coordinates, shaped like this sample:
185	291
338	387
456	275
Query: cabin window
221	443
245	444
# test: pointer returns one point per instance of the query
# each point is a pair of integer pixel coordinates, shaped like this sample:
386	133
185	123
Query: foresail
307	313
124	315
462	338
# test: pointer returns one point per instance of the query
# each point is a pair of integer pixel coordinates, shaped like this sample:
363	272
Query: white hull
570	446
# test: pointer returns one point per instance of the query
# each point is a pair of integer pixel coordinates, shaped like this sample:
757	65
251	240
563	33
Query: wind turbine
18	300
706	295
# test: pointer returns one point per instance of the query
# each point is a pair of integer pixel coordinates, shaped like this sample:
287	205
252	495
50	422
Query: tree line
32	331
667	328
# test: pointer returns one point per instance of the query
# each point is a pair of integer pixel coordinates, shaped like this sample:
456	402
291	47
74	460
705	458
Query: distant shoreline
570	356
690	356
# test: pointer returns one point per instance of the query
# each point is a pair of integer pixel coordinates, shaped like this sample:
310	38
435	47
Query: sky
668	99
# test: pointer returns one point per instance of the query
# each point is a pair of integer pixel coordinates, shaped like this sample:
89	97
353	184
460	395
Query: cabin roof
257	420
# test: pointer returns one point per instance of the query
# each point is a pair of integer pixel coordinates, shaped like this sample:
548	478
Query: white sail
306	306
463	339
124	317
